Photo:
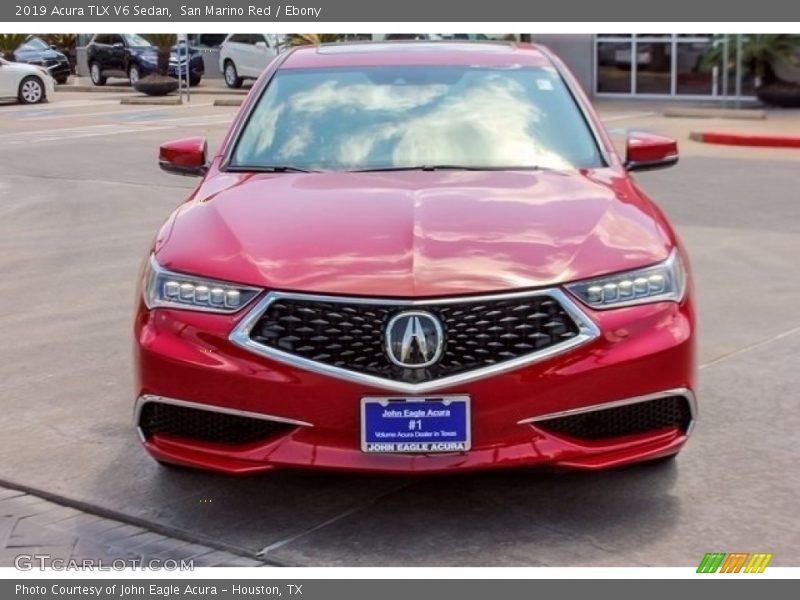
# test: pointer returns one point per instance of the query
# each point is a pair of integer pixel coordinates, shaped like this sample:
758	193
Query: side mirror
184	157
262	45
647	151
53	47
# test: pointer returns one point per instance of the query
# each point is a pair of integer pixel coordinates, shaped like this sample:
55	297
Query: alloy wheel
31	91
230	74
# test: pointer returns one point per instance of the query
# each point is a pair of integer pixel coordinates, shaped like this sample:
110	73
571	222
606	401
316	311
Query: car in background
35	51
132	56
474	37
207	40
415	257
245	56
29	84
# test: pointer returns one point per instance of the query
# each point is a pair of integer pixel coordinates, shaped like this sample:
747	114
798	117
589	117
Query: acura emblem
414	339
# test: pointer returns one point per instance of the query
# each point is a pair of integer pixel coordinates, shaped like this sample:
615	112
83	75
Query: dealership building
666	66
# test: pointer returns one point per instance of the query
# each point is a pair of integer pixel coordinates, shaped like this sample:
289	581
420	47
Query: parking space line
46	107
288	540
750	348
335	519
113	182
48	117
57	135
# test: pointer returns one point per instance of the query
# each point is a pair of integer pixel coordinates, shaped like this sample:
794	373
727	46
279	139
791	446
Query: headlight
176	290
664	281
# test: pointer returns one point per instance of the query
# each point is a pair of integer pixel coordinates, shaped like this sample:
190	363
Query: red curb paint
739	139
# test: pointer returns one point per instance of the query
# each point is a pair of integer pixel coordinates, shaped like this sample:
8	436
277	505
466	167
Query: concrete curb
228	102
755	114
127	90
113	89
745	139
167	531
155	100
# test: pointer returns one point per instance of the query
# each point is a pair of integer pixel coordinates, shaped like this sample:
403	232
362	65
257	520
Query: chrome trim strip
240	336
650	165
682	391
144	399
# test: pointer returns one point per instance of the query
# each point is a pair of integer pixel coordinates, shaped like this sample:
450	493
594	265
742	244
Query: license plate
416	425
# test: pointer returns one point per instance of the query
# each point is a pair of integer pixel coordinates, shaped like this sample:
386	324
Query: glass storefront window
693	76
614	67
653	68
667	65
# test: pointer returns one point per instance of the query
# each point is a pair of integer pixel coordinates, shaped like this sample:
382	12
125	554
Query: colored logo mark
737	562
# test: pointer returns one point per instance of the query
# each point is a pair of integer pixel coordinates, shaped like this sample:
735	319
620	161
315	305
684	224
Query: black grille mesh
672	411
206	425
351	335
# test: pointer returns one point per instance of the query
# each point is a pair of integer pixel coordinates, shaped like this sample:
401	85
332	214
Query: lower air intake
630	419
206	425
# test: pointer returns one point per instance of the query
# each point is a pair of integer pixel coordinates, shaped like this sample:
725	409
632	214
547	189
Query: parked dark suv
35	51
132	56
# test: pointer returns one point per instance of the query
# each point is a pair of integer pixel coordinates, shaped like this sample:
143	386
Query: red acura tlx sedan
415	257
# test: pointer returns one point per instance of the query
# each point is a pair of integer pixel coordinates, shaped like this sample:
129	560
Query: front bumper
644	354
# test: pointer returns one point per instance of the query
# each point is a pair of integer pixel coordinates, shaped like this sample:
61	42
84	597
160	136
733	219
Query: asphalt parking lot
81	196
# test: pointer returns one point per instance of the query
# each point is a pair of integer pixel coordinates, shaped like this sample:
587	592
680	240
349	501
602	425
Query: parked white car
245	56
27	83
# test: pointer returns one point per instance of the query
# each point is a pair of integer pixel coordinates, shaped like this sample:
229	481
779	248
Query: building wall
576	50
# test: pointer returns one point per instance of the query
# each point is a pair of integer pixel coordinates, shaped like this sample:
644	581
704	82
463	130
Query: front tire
232	79
194	81
31	90
96	74
134	75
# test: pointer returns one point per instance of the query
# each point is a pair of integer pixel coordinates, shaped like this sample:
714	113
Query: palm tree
312	39
164	42
63	41
10	42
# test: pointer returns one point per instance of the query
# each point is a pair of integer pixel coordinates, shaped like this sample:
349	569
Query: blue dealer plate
422	425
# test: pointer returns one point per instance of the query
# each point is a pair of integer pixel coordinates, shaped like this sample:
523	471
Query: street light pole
738	70
183	44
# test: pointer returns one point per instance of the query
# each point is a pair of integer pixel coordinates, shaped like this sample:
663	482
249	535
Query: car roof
416	53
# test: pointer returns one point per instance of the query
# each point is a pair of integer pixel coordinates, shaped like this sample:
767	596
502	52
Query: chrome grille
350	334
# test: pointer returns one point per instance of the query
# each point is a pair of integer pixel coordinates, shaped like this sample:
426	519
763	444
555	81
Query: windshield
34	43
134	39
372	118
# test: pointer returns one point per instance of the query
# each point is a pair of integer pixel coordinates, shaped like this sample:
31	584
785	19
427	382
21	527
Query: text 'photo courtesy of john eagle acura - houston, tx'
415	257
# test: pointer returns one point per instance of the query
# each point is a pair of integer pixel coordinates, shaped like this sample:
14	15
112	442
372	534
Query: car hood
32	55
25	68
412	234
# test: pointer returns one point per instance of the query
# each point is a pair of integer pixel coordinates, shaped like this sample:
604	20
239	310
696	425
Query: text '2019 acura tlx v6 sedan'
415	257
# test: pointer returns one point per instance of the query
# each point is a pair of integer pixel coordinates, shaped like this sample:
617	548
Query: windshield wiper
272	169
451	168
